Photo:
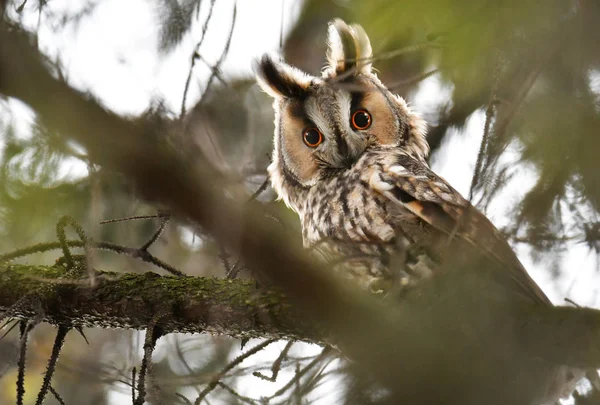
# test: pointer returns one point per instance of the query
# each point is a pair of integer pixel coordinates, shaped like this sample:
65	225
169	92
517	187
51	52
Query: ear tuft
349	49
281	80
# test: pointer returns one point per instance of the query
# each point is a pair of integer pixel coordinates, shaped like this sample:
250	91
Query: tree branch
235	308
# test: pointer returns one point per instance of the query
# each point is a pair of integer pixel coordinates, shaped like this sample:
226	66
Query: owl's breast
347	223
345	210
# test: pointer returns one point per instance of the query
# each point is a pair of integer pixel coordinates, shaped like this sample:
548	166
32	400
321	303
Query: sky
113	54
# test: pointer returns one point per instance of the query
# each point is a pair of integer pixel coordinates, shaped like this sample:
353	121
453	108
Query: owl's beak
354	148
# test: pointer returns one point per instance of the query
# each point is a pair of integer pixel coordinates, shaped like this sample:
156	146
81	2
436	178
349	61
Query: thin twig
58	343
401	51
24	328
184	362
281	25
14	325
147	257
56	395
80	330
413	80
570	301
217	66
232	271
276	364
508	111
218	75
8	313
133	372
62	238
153	333
260	189
318	375
235	270
21	7
94	215
38	248
5	324
159	231
224	256
217	378
41	5
297	392
382	56
195	55
236	394
187	401
489	112
339	82
110	221
324	353
113	247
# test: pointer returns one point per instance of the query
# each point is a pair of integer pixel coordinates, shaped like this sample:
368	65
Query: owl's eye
361	119
312	137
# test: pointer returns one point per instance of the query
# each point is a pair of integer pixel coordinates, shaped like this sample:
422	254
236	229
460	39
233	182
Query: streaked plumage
362	186
359	192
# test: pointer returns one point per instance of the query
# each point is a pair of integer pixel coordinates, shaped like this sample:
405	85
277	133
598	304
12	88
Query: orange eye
361	119
312	137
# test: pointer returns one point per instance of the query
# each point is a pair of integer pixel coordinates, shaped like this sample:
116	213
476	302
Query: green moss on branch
236	308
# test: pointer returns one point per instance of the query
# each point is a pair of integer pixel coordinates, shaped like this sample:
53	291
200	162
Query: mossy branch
235	308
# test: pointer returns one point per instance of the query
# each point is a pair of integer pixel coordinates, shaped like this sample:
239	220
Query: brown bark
235	308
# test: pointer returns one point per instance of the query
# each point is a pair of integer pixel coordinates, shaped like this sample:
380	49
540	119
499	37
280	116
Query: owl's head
323	125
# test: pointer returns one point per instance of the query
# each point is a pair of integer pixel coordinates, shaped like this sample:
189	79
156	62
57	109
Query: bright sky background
113	54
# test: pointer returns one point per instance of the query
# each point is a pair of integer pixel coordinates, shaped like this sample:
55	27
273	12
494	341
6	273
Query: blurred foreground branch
462	332
192	190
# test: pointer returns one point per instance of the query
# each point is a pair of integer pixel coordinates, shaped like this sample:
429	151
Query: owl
350	158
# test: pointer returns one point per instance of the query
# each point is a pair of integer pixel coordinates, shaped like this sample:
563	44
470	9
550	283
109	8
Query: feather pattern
365	194
434	201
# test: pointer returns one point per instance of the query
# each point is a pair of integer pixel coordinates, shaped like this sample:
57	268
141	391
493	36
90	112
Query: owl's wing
428	196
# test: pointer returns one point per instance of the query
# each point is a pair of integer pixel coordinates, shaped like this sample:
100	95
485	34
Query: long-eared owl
350	158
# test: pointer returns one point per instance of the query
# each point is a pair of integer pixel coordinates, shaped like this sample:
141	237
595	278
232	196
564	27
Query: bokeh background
510	90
